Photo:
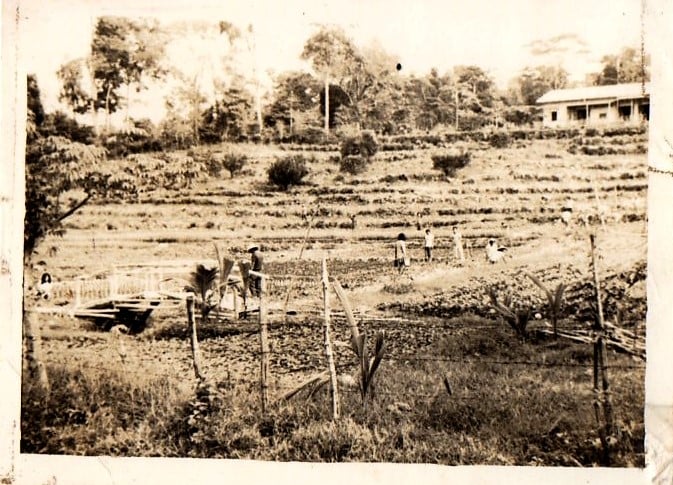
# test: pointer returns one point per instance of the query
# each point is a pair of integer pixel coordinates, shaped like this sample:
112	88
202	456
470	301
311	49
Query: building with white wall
596	105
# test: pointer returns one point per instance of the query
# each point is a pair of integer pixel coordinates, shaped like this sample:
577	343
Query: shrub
499	139
449	162
288	171
234	163
363	145
356	152
60	124
353	164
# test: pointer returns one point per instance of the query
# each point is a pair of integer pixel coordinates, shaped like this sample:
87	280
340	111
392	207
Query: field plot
456	384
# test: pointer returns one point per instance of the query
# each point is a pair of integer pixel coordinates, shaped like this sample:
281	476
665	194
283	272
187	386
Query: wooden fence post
78	292
114	286
264	345
600	360
196	351
334	394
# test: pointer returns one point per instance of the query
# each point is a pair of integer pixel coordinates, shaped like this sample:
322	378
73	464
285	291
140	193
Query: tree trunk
333	390
128	102
107	109
196	351
326	104
32	335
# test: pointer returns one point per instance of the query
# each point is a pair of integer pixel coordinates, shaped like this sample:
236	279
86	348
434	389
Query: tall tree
226	118
294	92
146	43
628	66
56	166
110	58
71	75
534	82
123	51
330	51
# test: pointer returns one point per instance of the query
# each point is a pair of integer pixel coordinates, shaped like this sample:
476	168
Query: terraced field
436	318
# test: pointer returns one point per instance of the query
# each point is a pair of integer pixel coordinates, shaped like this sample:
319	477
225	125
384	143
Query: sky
499	36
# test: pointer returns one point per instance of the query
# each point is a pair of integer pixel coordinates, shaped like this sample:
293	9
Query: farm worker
458	245
428	244
44	288
257	263
567	211
493	252
401	258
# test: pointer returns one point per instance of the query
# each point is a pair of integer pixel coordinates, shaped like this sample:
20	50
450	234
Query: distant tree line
349	88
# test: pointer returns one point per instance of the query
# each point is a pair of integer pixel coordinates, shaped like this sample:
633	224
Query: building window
603	116
625	112
554	115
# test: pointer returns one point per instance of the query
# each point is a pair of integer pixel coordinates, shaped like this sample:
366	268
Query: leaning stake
328	345
264	344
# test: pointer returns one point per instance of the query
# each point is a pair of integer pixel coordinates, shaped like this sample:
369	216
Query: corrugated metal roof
611	91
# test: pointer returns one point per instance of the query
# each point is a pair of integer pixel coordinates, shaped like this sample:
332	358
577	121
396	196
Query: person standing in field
256	264
458	245
567	211
401	258
428	244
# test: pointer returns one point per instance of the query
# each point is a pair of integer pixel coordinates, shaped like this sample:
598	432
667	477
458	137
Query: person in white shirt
494	253
567	211
458	245
401	258
428	244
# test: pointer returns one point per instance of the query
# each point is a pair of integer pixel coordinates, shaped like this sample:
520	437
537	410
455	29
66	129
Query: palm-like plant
516	316
202	283
369	361
554	300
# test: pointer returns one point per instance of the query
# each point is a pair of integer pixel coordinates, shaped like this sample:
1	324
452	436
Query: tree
186	105
294	92
368	81
55	167
122	52
146	44
534	82
628	66
330	51
35	109
226	118
72	93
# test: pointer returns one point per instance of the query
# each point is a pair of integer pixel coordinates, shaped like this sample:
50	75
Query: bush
500	139
353	164
60	124
288	171
234	163
363	145
448	163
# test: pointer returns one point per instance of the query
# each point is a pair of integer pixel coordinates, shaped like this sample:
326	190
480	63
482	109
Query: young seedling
202	283
554	300
369	361
517	318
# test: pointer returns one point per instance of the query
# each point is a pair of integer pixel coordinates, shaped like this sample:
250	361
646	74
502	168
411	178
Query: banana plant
517	318
369	361
202	283
554	300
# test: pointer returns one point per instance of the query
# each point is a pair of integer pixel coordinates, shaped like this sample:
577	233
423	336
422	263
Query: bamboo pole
264	344
301	253
196	351
333	390
600	357
341	294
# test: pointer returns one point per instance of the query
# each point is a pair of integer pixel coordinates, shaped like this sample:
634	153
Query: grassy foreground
500	410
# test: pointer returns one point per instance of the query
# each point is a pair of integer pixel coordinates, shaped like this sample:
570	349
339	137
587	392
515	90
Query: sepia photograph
332	232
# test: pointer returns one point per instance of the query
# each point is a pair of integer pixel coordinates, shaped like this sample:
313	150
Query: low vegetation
288	171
